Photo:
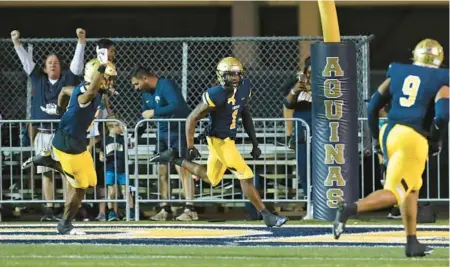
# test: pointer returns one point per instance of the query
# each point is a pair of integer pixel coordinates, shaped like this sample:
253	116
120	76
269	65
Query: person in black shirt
299	99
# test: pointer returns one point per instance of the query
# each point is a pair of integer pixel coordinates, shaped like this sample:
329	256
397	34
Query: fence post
184	70
29	86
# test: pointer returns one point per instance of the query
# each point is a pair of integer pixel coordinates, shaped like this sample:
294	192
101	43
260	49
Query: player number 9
410	89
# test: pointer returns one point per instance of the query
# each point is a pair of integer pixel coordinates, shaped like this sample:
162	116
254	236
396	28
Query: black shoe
165	156
274	220
43	159
417	250
339	222
48	215
67	229
394	213
58	217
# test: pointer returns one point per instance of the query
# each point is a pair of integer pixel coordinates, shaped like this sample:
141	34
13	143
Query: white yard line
214	225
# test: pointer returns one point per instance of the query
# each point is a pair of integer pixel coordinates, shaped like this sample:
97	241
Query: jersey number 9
410	89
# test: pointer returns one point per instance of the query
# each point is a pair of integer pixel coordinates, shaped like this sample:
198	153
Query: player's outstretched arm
93	88
64	96
76	66
63	100
378	100
25	58
441	106
249	128
200	111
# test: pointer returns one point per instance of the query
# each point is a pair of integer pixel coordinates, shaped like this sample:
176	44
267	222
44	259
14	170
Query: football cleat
339	222
417	250
165	156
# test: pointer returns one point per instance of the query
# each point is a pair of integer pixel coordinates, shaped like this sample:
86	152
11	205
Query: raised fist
15	37
81	34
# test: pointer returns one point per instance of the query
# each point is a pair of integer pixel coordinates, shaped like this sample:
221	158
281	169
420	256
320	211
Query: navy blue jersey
413	89
71	135
227	109
45	93
115	153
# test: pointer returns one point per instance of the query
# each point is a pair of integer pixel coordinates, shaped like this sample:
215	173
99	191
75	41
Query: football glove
256	152
434	148
192	154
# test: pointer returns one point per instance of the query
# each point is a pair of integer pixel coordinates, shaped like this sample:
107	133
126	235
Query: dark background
397	28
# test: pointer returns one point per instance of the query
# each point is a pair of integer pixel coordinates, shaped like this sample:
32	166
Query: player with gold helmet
419	96
428	53
225	104
69	143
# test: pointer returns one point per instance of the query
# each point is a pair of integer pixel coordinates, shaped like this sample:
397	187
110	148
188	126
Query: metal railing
276	175
275	171
18	185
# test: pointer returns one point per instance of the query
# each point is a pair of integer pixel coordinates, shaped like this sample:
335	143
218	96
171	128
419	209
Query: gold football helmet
91	68
227	70
428	53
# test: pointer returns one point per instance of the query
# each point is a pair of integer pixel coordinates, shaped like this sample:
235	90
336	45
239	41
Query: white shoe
188	215
75	231
161	216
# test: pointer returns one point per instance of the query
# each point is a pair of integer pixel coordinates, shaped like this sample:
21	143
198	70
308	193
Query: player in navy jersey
419	96
70	143
225	104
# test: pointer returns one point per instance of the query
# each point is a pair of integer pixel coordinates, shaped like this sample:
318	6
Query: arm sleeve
376	103
76	66
440	120
249	128
26	59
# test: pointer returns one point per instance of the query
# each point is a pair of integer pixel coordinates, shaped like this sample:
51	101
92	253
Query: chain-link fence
190	62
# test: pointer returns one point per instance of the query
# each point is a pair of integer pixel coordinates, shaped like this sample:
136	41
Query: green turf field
98	255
